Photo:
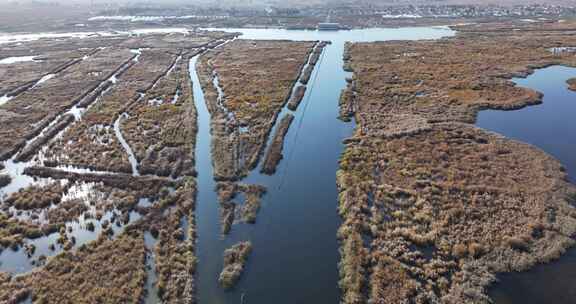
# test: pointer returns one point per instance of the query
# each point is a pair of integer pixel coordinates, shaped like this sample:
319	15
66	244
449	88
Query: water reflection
295	252
549	126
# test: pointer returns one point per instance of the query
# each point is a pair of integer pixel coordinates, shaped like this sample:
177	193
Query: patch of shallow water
19	179
11	38
17	261
83	229
552	128
12	60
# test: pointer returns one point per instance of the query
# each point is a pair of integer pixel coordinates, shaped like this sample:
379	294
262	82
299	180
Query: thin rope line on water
270	195
301	121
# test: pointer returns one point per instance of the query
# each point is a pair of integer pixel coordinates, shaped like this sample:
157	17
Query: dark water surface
551	127
295	250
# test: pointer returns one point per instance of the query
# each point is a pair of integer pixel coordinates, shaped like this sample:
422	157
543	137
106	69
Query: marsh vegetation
433	207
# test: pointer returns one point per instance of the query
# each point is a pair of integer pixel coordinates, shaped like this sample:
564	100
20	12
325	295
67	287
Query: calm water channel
552	128
295	250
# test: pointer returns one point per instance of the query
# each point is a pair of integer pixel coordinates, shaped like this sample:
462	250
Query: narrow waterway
131	156
295	250
551	127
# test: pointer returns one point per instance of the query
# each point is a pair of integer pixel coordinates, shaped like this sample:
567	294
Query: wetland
289	166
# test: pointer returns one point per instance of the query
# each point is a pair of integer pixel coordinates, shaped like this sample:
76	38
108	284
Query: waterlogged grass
163	135
37	197
176	260
254	90
13	232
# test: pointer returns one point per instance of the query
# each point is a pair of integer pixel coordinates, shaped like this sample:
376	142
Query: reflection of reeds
274	153
5	180
296	98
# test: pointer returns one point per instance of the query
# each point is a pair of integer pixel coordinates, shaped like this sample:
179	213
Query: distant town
403	11
320	16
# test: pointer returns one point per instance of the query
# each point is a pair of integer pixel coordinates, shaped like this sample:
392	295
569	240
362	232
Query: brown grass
163	136
255	88
38	106
274	153
433	207
176	260
105	271
234	261
37	197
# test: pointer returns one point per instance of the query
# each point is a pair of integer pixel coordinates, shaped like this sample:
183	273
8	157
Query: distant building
328	26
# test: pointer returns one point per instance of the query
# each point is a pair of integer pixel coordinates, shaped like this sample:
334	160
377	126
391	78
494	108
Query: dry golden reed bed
255	89
154	88
432	206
